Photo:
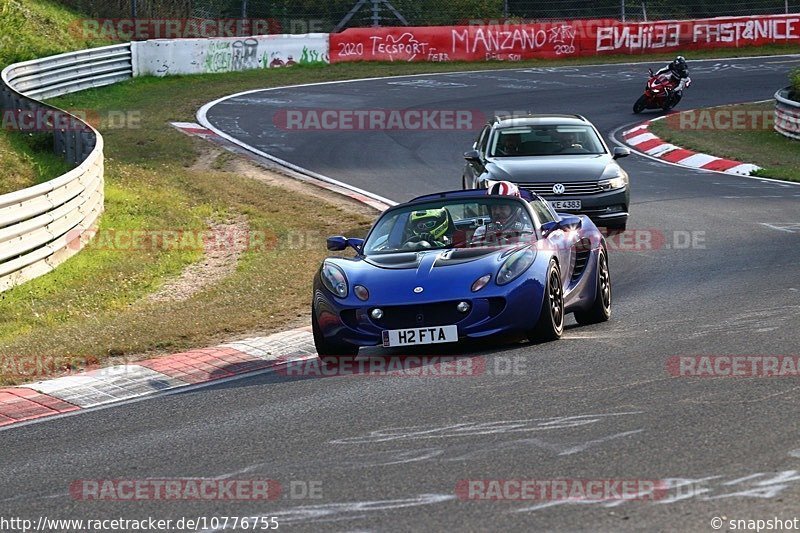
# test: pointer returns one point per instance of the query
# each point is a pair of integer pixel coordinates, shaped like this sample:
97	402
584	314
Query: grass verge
777	156
95	306
28	159
31	29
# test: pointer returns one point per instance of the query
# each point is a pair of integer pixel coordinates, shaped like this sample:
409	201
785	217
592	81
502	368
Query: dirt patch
228	240
221	251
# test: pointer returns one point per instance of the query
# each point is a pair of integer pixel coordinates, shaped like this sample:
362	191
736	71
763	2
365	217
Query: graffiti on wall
227	56
251	53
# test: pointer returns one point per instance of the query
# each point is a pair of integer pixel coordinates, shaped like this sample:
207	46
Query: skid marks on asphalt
723	394
467	429
334	512
761	320
762	485
788	227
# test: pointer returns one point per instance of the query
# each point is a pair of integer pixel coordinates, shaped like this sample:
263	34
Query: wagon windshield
546	140
466	223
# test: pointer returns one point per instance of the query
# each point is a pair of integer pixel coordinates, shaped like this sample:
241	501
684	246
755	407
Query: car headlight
618	181
334	279
516	264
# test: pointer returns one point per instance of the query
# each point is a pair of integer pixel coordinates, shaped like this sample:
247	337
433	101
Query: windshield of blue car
529	141
465	223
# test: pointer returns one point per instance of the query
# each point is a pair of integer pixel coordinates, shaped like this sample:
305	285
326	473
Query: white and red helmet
504	188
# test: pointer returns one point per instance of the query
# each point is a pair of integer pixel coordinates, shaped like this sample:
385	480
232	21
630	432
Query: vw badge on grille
558	188
418	290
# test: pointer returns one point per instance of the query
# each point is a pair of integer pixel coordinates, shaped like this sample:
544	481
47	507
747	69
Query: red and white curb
642	140
125	382
192	128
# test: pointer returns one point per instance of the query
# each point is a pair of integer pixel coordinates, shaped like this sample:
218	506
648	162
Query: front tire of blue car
550	326
600	311
330	353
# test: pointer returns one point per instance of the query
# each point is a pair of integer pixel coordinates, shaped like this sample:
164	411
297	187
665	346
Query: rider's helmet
432	223
678	65
506	216
505	188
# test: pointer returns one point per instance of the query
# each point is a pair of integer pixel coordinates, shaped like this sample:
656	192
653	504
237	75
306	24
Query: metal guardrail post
87	142
69	146
59	143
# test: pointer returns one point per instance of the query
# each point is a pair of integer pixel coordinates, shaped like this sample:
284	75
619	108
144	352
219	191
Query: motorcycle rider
679	74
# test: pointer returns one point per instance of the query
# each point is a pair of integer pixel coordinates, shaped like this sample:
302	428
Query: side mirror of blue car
355	244
570	222
549	227
567	223
337	244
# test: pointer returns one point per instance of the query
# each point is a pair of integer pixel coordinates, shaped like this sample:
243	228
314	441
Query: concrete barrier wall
164	57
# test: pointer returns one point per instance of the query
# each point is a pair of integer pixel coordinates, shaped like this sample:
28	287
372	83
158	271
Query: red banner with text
558	39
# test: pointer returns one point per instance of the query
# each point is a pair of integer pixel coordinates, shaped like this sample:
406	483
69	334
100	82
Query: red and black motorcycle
658	94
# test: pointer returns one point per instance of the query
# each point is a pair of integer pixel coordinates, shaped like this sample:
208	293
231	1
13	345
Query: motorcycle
658	94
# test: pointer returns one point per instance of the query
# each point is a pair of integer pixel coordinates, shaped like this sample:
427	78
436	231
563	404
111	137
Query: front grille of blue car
424	315
417	316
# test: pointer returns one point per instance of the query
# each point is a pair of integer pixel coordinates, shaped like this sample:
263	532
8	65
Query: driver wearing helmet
679	73
428	229
507	217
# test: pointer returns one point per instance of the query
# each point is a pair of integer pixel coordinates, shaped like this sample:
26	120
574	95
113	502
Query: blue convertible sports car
461	264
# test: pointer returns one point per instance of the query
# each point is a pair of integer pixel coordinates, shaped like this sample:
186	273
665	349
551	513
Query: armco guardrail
41	226
787	115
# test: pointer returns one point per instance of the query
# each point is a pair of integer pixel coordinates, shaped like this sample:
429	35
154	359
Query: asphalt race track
721	276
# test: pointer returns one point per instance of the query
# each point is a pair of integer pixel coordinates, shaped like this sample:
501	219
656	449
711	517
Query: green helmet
430	221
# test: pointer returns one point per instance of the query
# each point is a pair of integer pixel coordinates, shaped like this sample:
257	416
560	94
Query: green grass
778	156
93	307
28	159
31	29
37	28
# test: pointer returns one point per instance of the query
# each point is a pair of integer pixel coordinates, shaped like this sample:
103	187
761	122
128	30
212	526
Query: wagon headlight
516	264
334	279
613	180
